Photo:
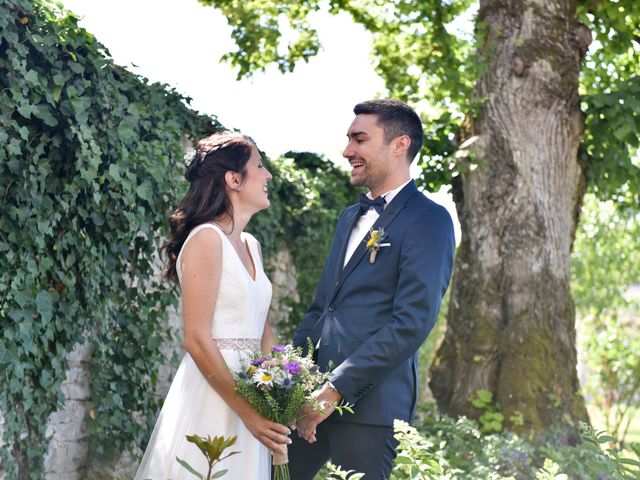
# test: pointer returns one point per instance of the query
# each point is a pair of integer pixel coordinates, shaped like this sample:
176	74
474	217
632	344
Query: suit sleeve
424	271
309	325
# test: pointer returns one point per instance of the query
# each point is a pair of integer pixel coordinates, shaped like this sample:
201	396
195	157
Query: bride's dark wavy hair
207	198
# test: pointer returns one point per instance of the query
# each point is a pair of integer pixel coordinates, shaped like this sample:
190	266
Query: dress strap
254	249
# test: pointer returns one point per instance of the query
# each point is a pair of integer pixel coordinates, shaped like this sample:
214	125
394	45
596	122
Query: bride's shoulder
203	236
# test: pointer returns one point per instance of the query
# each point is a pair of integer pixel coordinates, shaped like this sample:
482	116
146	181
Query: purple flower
292	368
258	361
278	348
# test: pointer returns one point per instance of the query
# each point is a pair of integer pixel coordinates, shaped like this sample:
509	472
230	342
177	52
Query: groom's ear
401	145
233	180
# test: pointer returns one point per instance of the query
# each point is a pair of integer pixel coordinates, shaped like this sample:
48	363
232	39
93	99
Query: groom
376	300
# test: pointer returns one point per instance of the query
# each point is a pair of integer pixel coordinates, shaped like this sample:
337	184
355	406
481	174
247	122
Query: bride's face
254	191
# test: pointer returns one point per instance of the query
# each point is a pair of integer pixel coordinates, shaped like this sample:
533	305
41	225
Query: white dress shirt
366	221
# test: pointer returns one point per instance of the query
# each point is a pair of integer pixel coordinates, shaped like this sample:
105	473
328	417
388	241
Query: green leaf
14	147
630	461
402	459
144	191
25	110
484	396
80	104
114	172
46	379
55	93
58	79
43	113
44	303
190	469
31	77
595	466
219	473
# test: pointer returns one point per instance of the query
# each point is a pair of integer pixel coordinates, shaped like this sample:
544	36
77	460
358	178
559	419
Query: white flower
262	377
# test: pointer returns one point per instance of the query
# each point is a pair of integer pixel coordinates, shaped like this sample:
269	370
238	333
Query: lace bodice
242	303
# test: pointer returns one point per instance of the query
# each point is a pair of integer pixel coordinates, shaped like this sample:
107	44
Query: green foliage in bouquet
277	385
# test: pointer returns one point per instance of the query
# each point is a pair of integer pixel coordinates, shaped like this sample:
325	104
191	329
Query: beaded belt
238	343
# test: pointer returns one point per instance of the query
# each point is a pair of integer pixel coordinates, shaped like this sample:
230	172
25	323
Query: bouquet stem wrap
281	465
281	458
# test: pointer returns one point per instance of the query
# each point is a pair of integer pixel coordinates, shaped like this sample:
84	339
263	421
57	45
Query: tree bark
511	320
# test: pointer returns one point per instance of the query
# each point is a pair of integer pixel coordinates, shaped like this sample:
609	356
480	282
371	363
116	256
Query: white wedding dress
192	406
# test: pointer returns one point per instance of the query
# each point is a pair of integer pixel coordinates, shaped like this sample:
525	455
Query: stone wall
67	432
284	280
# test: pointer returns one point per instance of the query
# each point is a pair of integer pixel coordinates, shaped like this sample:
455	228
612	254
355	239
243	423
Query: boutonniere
376	237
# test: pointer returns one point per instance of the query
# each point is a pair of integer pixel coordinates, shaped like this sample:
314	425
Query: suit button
337	283
332	308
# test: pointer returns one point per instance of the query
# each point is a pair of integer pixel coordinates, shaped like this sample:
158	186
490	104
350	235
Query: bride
225	300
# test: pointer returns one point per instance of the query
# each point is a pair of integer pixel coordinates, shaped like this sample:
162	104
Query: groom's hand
310	418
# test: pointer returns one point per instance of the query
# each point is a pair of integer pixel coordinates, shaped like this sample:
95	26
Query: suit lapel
351	223
383	221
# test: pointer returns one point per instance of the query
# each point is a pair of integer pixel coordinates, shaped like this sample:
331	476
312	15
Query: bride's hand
272	435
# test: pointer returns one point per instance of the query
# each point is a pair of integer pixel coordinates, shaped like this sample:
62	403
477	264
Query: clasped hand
309	416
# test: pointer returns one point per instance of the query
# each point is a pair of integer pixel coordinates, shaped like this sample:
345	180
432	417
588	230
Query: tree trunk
511	321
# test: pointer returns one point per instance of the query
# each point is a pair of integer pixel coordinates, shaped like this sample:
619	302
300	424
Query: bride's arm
201	266
268	340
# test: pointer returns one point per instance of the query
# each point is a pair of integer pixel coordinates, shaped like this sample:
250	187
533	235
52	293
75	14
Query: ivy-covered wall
90	167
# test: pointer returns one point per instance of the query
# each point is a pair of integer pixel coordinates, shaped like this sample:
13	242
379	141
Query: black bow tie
366	203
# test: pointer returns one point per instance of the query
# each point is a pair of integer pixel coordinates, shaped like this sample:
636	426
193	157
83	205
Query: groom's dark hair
396	118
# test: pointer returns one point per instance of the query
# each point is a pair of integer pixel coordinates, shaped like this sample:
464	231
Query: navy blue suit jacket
372	318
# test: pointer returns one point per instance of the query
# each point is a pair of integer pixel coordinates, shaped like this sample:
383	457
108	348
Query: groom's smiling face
368	154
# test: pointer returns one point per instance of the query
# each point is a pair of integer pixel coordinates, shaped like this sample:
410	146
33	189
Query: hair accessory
189	156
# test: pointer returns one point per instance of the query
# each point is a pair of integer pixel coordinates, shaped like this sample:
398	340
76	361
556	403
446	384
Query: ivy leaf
25	110
55	93
58	79
44	304
144	191
114	172
31	77
42	112
46	379
14	165
80	104
4	355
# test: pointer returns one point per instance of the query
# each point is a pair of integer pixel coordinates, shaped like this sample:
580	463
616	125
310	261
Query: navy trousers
368	449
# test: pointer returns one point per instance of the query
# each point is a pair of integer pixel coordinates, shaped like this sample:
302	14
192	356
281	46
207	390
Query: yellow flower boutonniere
376	237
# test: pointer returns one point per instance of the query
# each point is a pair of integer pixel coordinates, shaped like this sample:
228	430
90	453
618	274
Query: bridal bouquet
277	385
